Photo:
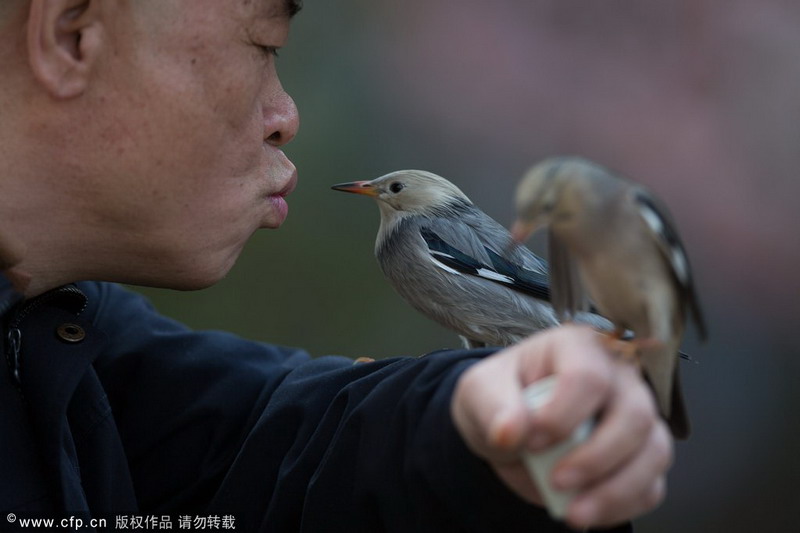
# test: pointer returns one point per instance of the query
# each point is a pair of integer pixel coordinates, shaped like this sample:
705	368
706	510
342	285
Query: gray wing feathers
472	231
479	309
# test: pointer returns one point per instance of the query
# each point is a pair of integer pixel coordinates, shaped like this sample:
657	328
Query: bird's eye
396	187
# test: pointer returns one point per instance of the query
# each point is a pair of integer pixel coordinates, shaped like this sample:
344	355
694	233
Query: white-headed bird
612	241
455	264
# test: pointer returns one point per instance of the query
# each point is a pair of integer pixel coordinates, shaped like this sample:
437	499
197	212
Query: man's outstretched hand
619	472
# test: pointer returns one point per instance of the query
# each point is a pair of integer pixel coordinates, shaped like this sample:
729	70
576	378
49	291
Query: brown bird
612	241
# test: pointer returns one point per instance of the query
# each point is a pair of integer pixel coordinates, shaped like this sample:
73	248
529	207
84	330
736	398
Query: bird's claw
625	350
629	351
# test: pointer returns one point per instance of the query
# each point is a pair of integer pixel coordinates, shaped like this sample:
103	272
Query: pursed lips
278	199
291	183
280	167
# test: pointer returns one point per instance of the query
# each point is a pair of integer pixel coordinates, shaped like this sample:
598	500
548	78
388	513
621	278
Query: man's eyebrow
271	9
293	6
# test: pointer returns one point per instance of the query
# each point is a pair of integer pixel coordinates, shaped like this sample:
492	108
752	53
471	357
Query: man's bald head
141	140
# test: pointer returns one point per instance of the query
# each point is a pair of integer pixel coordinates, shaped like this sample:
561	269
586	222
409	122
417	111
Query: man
140	142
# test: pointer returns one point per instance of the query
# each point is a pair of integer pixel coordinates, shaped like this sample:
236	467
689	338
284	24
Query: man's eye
268	50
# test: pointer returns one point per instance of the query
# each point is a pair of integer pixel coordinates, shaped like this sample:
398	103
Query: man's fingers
619	472
623	430
488	409
637	487
585	375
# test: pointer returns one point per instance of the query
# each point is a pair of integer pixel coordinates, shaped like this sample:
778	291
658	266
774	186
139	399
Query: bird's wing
475	233
569	294
658	221
455	248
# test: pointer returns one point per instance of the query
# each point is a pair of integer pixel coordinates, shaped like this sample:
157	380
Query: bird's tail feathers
659	364
678	420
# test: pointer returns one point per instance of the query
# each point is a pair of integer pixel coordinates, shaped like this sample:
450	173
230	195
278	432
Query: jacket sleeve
214	424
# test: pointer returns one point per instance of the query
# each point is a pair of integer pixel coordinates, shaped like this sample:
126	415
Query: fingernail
502	432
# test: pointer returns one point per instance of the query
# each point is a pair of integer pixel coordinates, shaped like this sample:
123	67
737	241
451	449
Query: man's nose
281	119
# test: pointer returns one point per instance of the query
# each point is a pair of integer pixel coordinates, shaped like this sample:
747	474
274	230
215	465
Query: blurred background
698	99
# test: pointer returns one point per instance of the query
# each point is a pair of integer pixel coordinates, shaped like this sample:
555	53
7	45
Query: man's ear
64	38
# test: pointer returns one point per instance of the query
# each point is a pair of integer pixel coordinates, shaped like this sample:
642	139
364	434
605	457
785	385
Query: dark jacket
110	410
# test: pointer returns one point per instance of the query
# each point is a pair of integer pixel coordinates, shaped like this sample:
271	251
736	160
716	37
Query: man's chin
192	277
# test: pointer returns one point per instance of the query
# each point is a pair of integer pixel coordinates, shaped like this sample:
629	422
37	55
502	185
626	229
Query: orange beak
521	230
357	187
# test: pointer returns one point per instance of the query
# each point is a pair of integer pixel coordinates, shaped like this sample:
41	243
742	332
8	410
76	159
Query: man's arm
215	424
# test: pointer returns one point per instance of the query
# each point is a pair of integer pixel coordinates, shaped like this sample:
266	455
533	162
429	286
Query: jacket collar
68	297
8	296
